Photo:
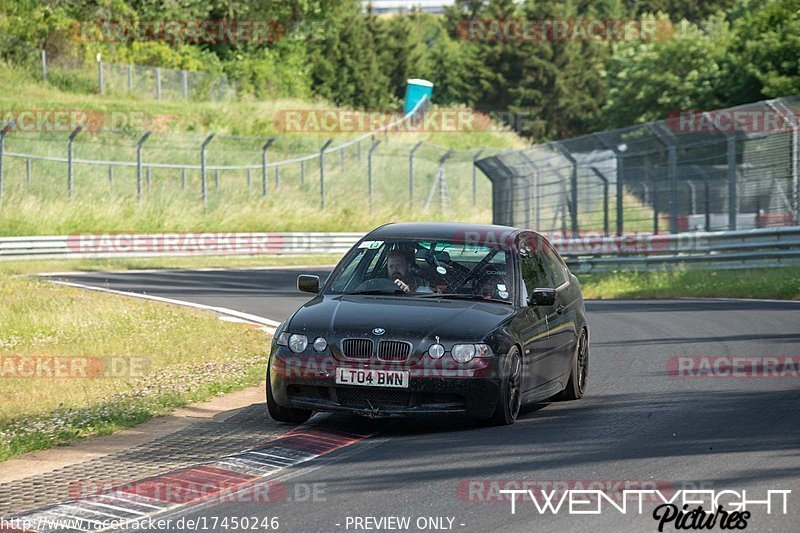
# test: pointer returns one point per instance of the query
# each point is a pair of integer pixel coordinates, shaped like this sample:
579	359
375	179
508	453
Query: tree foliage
722	52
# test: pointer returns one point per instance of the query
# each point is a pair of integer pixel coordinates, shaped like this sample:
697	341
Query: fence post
70	181
130	78
28	177
101	82
692	197
668	142
3	132
139	145
322	173
605	198
158	83
706	200
443	191
203	182
302	171
790	116
110	176
369	171
537	190
185	83
655	202
475	177
619	152
573	202
249	180
733	208
264	165
44	65
341	160
216	180
183	179
277	177
411	174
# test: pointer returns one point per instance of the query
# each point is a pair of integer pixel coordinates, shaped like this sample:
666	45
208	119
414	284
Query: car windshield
426	268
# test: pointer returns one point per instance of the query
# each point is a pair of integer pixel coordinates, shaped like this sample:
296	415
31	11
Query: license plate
372	378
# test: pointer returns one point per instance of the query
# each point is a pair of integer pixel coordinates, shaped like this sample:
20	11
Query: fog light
298	343
463	353
436	351
320	344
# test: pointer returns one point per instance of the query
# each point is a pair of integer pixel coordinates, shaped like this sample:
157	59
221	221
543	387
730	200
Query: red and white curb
221	480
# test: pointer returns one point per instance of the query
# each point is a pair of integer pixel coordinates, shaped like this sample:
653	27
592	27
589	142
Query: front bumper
435	387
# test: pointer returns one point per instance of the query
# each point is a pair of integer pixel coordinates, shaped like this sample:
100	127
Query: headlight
283	339
436	351
464	353
320	344
298	343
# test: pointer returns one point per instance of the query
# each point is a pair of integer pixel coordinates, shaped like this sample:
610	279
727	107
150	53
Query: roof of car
438	230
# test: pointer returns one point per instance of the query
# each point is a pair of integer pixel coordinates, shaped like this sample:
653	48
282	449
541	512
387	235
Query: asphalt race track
637	423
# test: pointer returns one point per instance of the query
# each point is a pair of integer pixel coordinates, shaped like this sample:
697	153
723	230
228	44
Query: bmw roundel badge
378	331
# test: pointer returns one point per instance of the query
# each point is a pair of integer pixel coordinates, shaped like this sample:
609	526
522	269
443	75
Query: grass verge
79	363
781	283
186	262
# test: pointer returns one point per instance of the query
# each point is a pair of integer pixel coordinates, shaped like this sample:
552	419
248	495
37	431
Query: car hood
402	317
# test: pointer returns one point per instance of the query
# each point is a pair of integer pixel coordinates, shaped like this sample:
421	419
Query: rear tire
579	372
279	413
509	397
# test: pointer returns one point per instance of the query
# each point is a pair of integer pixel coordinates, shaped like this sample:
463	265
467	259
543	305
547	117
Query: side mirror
543	297
308	283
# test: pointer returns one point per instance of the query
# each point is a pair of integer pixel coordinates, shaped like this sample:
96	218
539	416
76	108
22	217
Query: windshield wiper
462	296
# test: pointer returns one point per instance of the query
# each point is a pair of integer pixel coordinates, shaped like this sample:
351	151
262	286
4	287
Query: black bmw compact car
434	319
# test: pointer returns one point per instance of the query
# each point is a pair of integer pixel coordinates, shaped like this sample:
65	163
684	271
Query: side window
532	266
556	270
345	278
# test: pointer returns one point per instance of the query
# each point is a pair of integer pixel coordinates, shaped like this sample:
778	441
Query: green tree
344	59
764	56
648	80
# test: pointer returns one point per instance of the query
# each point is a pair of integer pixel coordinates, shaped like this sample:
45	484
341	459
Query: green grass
165	357
782	283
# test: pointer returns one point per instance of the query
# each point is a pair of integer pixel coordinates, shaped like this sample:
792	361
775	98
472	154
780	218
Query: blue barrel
416	90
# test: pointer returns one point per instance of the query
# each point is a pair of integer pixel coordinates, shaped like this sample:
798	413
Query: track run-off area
646	421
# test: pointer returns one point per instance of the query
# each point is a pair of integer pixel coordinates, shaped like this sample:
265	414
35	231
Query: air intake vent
394	350
357	348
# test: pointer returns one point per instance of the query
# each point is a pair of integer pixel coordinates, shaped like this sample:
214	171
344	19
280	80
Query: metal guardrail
591	253
766	247
97	246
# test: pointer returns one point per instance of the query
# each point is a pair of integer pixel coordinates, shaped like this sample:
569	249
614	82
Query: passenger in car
493	287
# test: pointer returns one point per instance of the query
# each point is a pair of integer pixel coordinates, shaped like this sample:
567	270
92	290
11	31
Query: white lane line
756	300
266	322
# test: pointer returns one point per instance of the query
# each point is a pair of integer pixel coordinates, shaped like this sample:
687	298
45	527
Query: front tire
579	372
279	413
509	397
